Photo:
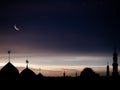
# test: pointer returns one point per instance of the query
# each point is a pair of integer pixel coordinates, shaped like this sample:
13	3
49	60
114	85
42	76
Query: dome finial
27	63
9	55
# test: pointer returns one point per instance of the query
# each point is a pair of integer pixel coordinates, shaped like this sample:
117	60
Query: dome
27	74
40	75
88	73
9	71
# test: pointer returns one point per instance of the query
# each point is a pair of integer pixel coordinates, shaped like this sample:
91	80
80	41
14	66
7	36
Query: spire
115	63
27	63
76	74
64	74
107	72
9	55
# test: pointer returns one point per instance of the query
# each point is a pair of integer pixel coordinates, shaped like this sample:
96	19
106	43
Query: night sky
59	32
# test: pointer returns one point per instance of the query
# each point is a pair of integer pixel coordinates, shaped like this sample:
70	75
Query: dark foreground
59	83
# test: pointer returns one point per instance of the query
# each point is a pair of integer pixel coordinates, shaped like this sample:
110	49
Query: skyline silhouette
27	78
10	72
60	35
107	71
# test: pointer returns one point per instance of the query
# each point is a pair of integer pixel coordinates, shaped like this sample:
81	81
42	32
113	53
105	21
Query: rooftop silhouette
10	73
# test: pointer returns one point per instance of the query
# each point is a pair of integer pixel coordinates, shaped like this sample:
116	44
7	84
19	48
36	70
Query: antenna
9	55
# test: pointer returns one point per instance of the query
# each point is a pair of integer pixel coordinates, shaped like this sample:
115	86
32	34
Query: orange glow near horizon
56	65
58	70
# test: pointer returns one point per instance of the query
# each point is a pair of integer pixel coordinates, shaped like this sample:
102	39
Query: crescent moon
16	28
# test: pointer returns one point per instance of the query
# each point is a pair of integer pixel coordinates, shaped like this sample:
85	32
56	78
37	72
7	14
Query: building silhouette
27	74
115	64
76	74
64	74
88	73
39	75
9	71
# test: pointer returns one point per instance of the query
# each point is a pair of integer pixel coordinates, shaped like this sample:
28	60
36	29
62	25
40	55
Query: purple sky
87	29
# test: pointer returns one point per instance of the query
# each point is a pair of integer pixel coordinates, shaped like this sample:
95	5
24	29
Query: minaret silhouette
107	72
115	64
76	74
64	74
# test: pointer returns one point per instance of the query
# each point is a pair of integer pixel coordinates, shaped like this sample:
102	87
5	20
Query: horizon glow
56	65
38	61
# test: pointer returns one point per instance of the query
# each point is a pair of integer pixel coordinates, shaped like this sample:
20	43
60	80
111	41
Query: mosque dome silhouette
40	75
9	71
88	73
27	74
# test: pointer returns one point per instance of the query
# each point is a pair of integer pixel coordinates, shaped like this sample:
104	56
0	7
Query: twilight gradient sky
59	32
